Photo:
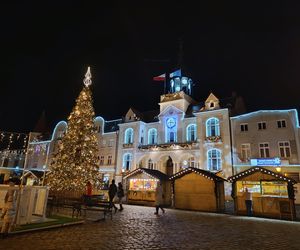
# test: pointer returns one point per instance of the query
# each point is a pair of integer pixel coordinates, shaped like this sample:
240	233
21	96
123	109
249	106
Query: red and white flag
160	77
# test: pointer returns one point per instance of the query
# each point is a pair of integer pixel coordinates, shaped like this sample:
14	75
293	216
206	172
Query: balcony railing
170	146
213	139
128	145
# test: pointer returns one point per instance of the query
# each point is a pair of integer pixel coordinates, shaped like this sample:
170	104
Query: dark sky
248	48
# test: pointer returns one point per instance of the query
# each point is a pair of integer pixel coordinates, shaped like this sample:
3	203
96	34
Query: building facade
183	132
268	138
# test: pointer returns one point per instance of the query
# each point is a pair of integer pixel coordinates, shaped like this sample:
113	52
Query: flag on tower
176	73
161	77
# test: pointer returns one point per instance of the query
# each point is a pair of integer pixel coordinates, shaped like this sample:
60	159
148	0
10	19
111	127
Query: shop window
106	180
214	160
264	150
244	127
127	159
191	132
109	160
128	136
284	149
262	125
245	152
212	127
281	124
152	136
252	186
142	184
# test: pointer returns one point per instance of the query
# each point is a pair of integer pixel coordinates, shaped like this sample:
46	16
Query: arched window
152	136
214	162
128	136
212	127
127	159
150	164
191	132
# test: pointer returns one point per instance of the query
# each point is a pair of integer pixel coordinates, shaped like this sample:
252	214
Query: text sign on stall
265	162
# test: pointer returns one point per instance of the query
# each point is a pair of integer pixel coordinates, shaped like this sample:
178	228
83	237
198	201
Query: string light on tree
76	161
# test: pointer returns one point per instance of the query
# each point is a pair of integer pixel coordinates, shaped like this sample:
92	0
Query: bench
96	203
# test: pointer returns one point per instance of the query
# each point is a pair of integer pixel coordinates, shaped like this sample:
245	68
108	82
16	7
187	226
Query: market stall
198	189
141	185
272	193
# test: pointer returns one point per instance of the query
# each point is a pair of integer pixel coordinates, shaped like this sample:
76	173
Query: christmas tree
76	161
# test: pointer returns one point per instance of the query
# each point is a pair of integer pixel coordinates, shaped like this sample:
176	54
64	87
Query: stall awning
202	172
252	170
153	173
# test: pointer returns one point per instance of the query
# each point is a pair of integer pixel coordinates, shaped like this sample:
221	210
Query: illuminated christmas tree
76	161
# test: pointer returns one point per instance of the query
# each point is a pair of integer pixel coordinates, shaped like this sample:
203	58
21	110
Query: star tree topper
88	78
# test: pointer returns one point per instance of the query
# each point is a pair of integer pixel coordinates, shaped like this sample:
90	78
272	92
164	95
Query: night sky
251	49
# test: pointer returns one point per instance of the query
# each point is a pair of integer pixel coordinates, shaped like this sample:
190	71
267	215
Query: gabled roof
211	97
177	110
153	173
253	170
202	172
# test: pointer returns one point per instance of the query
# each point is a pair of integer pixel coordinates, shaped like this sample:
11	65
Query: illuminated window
171	129
264	150
281	124
127	159
212	127
128	136
214	160
284	149
245	152
109	160
244	127
101	160
191	132
152	136
261	125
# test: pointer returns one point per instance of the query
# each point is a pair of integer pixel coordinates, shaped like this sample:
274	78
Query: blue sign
265	162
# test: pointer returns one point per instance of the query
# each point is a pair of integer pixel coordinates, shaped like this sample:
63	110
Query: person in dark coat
120	195
112	191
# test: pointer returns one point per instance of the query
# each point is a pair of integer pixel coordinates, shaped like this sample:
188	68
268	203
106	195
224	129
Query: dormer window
212	105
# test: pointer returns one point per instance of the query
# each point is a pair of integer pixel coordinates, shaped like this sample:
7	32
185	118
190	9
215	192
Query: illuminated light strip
270	111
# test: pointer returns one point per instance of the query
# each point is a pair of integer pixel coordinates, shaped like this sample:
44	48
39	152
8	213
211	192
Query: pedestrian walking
159	198
120	195
9	209
112	191
248	202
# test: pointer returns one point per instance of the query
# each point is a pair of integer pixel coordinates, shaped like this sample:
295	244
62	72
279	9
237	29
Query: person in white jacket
159	198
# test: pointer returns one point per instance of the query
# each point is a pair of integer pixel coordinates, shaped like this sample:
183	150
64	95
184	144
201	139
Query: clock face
171	122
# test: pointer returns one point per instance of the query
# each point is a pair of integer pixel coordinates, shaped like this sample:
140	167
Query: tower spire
88	78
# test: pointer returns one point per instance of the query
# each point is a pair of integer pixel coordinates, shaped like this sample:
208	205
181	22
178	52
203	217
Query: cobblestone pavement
138	228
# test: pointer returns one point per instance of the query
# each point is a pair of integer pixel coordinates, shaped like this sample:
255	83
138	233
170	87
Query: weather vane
88	78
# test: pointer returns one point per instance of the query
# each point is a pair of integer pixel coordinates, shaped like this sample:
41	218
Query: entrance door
169	166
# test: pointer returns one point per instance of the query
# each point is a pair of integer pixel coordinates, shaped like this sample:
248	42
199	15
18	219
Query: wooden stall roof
202	172
254	170
151	172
